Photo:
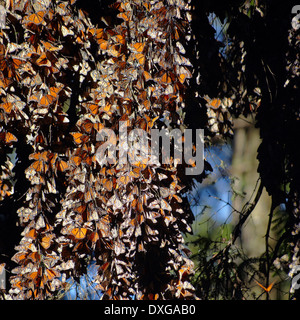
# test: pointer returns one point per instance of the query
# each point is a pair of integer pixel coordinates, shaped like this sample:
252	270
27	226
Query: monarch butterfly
78	137
107	184
34	256
183	73
139	205
93	108
35	275
46	241
16	63
98	126
40	223
94	237
181	78
46	100
32	234
147	76
161	176
115	50
124	180
79	233
213	103
38	166
165	78
264	288
140	58
54	91
180	60
62	165
119	38
107	108
9	67
76	160
43	61
140	164
165	205
19	256
66	32
4	82
7	137
80	209
50	47
115	202
138	47
103	44
124	16
88	195
87	126
39	156
50	274
97	33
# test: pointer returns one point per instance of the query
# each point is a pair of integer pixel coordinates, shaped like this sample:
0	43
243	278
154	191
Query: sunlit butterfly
124	15
32	234
147	76
140	58
97	33
10	66
51	273
42	60
107	184
93	108
76	160
46	100
39	156
138	47
66	32
36	18
264	288
115	50
181	78
62	165
79	233
40	222
103	44
7	137
46	241
165	78
78	137
119	38
213	103
50	47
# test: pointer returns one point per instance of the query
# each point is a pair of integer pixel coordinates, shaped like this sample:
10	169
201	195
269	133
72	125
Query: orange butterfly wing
7	107
9	137
139	47
264	288
46	100
36	18
79	233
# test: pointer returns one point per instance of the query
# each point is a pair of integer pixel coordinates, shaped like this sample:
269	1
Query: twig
268	262
244	215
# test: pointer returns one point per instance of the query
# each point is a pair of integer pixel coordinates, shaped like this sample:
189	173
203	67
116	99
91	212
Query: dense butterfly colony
148	64
62	80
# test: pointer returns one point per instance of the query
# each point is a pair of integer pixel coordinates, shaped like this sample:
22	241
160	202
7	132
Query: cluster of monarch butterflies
219	117
62	80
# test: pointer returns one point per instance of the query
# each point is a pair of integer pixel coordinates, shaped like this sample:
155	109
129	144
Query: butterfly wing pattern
64	81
